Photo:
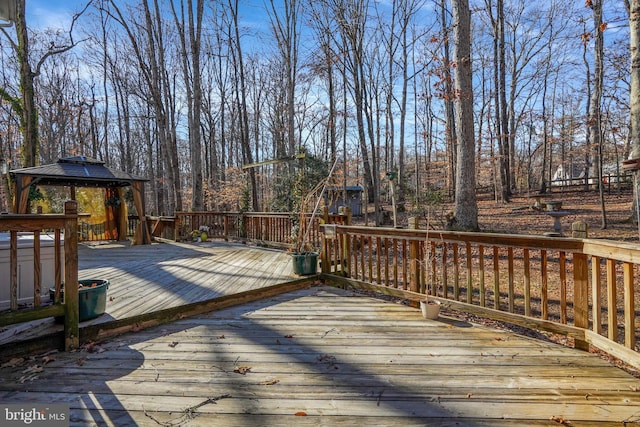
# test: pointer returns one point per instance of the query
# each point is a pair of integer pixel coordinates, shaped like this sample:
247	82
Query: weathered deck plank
332	358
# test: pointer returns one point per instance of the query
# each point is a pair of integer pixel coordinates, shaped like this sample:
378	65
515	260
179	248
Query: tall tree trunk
595	115
29	116
189	34
466	207
241	102
449	107
633	7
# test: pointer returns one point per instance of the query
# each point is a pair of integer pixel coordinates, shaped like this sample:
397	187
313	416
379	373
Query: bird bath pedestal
557	217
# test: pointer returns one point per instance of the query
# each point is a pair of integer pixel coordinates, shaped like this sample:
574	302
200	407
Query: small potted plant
204	233
201	234
430	308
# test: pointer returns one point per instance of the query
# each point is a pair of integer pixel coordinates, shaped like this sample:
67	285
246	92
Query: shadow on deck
326	356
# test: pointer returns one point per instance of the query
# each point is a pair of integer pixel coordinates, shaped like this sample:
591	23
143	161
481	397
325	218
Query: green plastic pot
305	263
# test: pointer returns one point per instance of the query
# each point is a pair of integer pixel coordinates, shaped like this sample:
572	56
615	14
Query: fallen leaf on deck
288	336
560	420
47	359
242	370
90	347
26	378
325	357
300	414
80	361
16	361
33	369
270	382
173	344
221	337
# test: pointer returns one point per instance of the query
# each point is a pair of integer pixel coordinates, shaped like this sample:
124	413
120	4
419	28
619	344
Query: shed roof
79	171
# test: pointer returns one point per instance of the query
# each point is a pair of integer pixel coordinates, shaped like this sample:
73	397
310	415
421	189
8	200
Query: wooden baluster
527	283
37	271
483	296
581	296
13	267
405	261
362	262
414	259
434	269
445	271
496	278
596	294
370	247
386	261
612	301
379	250
469	274
395	263
544	285
456	273
629	306
511	280
563	286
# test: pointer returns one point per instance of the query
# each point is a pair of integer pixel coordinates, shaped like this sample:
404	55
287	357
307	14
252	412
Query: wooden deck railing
583	288
268	228
25	249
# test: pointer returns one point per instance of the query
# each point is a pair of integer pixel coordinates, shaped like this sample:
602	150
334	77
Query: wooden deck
324	356
145	279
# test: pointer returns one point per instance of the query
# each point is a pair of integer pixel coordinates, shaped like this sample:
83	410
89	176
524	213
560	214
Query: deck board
334	358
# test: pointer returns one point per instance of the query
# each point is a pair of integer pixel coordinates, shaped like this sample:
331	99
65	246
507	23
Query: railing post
347	213
71	308
581	296
414	262
176	227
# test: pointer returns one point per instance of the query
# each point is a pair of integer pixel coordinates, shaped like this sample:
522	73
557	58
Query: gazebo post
21	202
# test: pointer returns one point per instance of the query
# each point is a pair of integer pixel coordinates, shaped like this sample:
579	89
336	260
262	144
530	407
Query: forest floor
519	217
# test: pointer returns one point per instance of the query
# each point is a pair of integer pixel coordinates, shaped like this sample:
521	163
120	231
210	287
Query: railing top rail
31	222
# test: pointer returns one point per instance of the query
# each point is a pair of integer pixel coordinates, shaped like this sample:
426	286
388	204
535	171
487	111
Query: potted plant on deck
303	254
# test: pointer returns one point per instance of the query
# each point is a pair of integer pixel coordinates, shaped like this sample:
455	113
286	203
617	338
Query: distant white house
567	175
575	174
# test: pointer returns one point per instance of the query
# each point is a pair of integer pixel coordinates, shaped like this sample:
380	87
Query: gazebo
81	171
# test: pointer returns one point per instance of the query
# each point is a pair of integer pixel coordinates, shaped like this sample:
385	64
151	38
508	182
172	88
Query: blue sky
51	13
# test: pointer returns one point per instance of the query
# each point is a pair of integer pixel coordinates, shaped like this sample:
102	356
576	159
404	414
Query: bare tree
26	107
594	121
151	60
240	93
190	35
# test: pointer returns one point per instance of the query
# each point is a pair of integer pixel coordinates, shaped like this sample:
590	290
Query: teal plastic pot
92	300
305	263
